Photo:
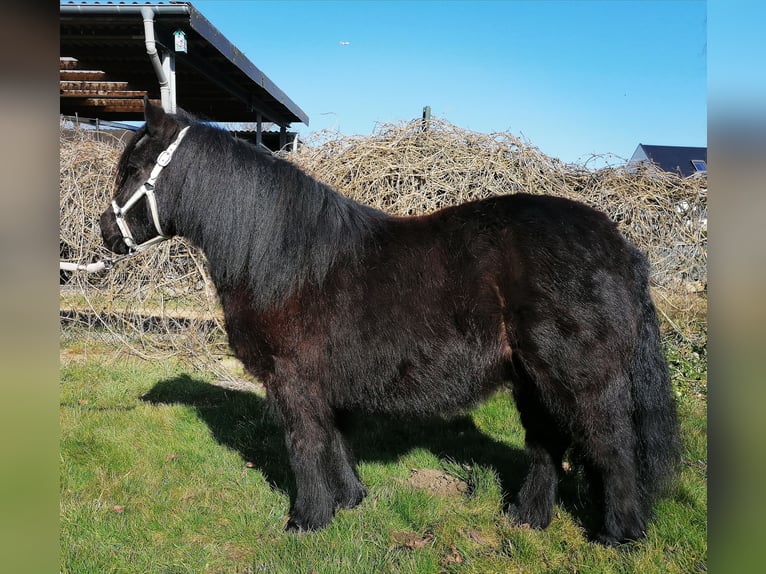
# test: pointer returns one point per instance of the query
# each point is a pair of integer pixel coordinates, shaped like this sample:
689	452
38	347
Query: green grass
163	472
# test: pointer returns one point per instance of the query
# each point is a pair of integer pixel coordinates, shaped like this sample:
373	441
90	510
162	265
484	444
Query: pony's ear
155	117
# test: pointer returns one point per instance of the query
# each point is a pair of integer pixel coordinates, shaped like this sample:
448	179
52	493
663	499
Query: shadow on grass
244	421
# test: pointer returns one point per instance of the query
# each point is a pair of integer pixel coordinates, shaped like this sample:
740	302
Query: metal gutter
82	9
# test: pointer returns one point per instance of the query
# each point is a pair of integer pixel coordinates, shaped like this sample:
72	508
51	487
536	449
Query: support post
169	67
426	119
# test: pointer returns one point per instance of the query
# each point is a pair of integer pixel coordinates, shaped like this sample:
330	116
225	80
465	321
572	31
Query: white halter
146	189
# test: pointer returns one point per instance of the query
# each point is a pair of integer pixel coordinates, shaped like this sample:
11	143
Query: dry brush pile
162	303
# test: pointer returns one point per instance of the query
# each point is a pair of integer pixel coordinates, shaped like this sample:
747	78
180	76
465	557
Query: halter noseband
146	189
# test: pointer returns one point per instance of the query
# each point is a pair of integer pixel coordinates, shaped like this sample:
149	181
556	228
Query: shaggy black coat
340	308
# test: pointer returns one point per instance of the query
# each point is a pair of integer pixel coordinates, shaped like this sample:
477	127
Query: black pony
339	308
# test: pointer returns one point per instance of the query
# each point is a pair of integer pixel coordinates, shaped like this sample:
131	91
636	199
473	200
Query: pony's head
138	214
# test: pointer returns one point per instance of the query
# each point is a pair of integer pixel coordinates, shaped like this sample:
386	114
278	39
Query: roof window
699	164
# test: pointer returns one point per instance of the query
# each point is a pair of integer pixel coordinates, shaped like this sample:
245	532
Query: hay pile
161	303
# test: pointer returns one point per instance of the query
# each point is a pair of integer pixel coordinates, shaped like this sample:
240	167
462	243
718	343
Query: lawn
164	471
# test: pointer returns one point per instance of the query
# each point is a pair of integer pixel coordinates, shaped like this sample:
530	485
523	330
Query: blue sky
573	78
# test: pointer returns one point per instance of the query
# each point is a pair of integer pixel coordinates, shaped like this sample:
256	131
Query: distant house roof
683	160
105	70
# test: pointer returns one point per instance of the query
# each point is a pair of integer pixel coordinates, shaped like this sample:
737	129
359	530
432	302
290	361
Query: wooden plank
88	85
68	64
81	75
110	105
117	94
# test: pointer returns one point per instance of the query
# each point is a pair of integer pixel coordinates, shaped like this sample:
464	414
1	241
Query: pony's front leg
348	489
307	437
319	456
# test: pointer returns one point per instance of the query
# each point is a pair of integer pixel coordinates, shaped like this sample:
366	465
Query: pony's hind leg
608	443
545	445
535	501
534	505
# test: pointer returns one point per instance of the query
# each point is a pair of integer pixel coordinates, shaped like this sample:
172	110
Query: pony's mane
121	172
261	220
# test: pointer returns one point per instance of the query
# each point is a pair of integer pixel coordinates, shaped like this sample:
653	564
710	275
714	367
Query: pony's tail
655	417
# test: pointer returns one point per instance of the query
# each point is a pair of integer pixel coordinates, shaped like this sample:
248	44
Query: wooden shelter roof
105	70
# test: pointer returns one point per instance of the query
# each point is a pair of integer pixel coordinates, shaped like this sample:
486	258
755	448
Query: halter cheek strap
146	189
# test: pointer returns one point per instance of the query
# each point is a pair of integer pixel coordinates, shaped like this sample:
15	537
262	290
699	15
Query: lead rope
104	264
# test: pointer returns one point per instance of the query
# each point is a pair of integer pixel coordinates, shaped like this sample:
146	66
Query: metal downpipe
151	49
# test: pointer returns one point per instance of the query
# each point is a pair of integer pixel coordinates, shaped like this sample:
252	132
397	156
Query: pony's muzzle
111	234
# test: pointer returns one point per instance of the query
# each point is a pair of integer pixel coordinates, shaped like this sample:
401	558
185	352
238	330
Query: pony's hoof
619	541
538	520
293	526
301	524
352	499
